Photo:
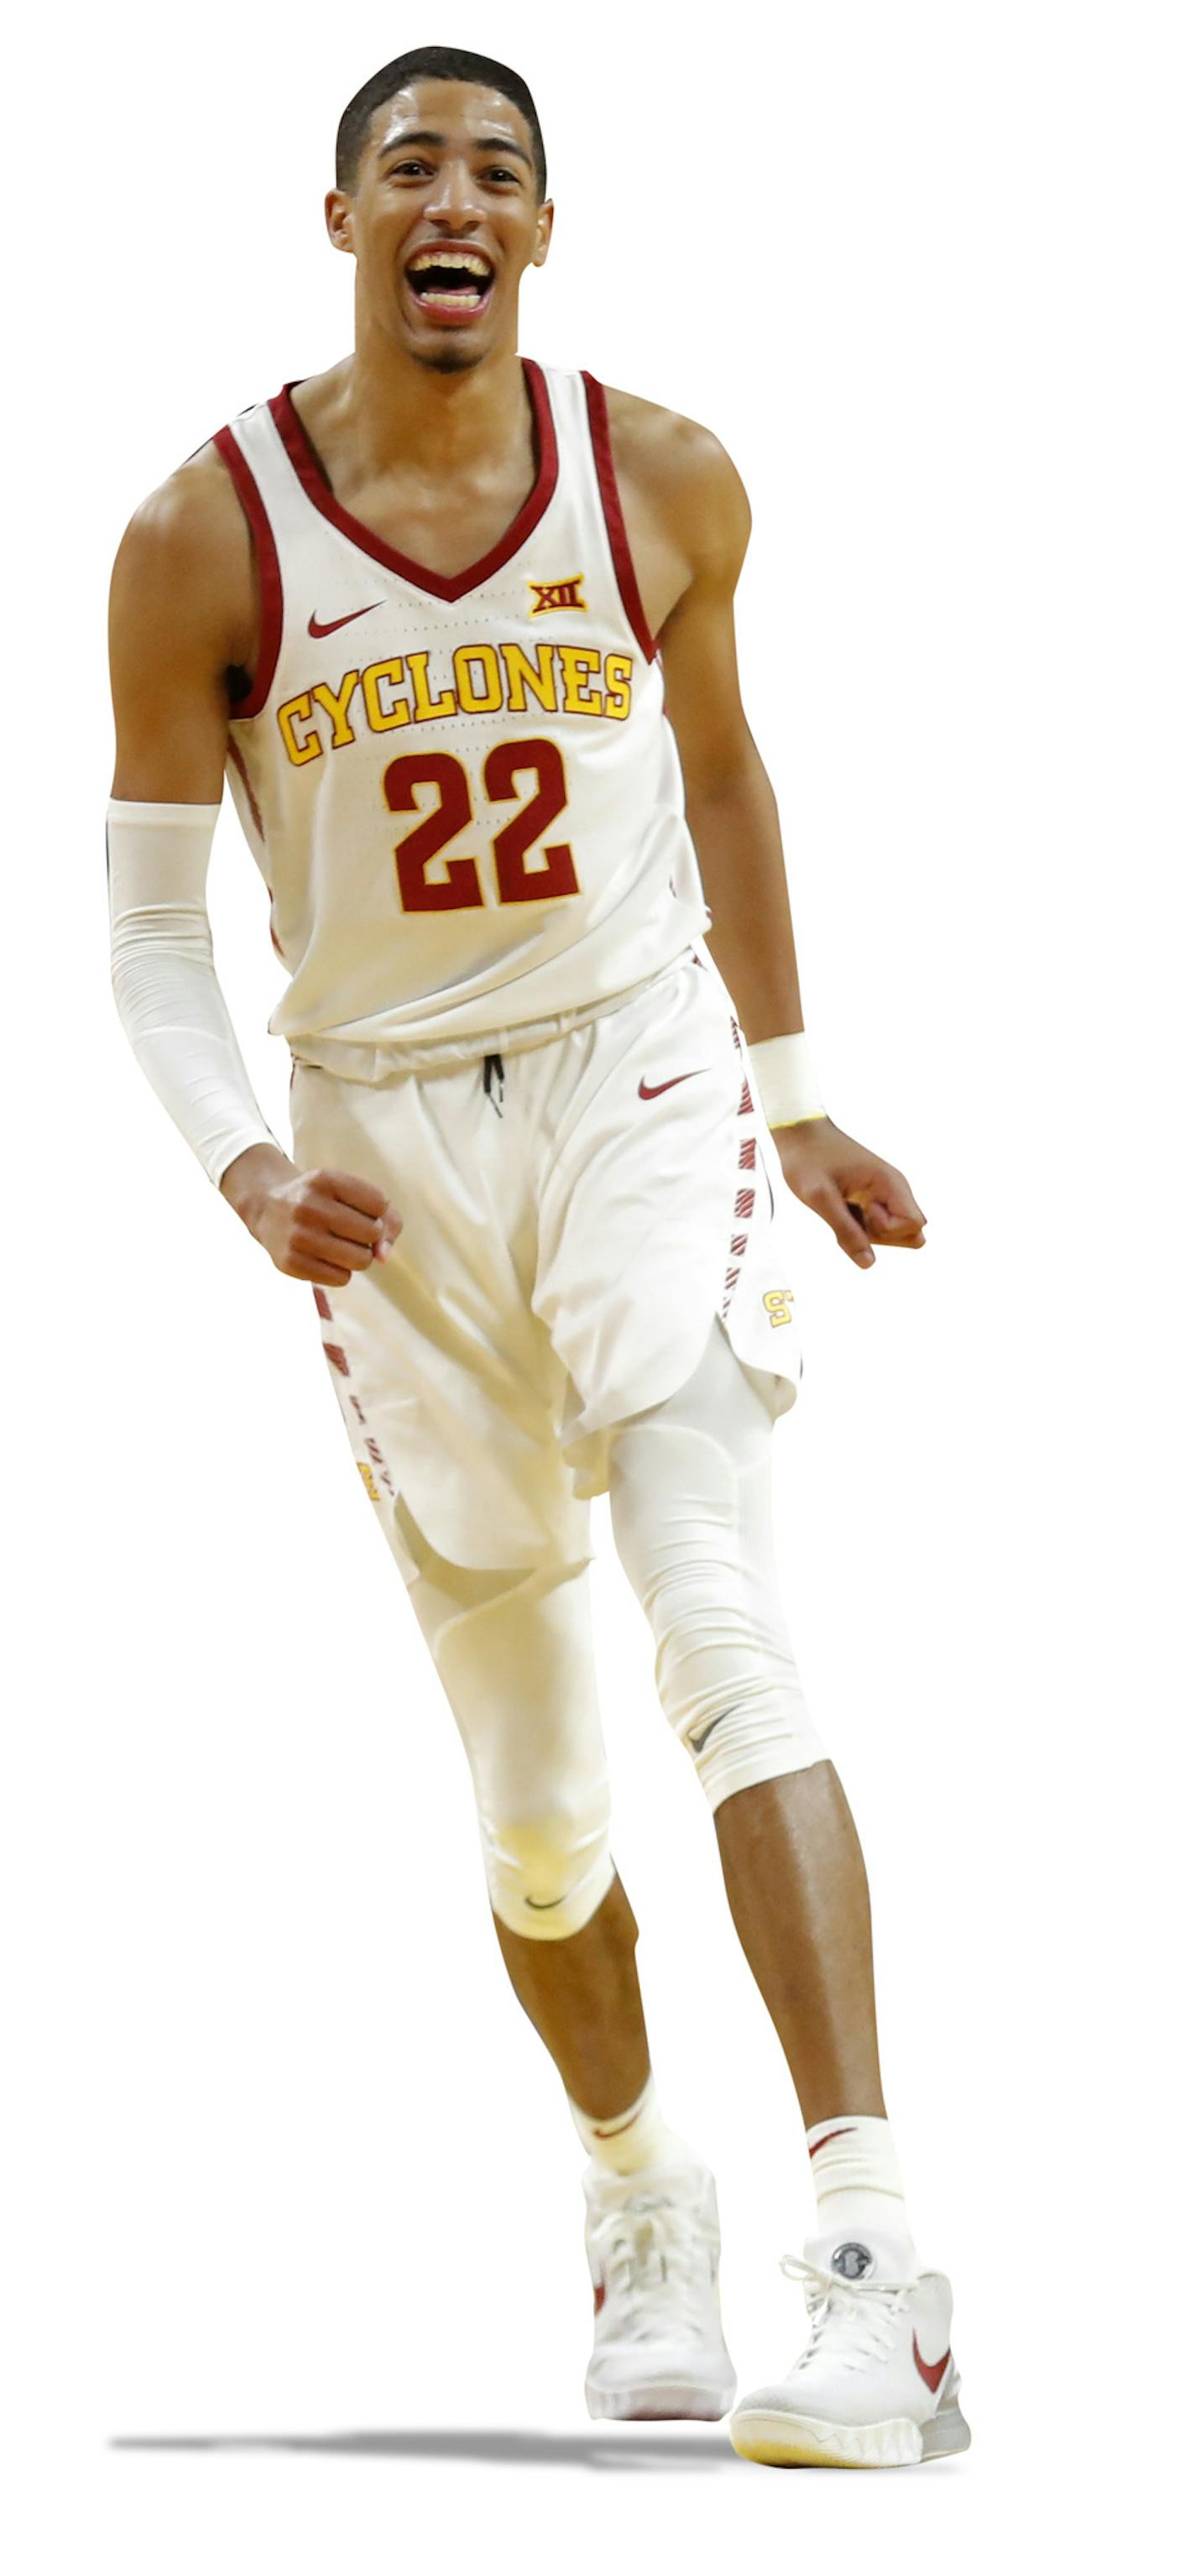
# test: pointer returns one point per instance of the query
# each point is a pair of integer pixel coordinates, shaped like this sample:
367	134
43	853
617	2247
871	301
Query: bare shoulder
684	471
187	556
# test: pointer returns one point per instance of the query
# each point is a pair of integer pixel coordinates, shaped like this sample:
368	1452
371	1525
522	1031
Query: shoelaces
656	2257
851	2322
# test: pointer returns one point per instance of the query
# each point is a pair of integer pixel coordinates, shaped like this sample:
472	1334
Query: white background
286	2163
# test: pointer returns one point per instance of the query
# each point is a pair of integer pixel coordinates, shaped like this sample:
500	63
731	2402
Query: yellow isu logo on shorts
557	594
367	1481
778	1305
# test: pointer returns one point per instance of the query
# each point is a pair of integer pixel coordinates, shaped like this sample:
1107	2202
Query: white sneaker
876	2386
653	2244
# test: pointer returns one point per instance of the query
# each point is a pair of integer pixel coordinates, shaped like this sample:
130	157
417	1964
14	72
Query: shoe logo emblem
314	627
852	2262
652	1090
931	2371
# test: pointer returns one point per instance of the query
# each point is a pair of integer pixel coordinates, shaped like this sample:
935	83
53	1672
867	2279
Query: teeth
466	259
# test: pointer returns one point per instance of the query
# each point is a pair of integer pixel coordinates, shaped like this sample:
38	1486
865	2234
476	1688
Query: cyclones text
562	679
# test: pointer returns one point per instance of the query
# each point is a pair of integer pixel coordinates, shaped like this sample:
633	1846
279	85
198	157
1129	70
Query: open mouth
454	285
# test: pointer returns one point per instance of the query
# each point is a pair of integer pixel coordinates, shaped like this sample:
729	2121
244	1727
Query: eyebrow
485	143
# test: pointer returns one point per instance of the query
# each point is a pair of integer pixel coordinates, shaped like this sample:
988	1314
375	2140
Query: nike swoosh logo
314	627
652	1090
544	1904
932	2372
848	2132
696	1741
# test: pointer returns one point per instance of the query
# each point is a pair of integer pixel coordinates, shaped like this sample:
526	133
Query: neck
402	409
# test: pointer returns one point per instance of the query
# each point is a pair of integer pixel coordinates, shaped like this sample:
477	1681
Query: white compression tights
690	1504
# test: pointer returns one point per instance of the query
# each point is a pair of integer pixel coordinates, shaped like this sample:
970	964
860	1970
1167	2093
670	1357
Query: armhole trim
268	574
628	587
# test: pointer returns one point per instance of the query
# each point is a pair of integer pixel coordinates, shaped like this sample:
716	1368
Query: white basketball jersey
461	790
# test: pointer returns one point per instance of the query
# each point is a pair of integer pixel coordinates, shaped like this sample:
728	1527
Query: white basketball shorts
574	1214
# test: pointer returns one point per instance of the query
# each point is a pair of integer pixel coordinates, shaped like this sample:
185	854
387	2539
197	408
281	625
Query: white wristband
786	1079
164	978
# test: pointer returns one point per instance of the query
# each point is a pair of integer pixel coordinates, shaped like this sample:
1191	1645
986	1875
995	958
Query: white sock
856	2178
629	2140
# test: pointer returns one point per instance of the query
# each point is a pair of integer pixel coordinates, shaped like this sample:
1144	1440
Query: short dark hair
432	62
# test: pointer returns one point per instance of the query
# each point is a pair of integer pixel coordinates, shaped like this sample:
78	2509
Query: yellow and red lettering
298	711
549	595
335	702
382	714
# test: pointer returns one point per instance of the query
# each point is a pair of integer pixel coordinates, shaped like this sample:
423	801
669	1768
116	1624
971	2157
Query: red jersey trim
237	757
441	585
599	432
268	574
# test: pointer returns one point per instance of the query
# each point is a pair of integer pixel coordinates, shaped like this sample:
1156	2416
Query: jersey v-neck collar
440	585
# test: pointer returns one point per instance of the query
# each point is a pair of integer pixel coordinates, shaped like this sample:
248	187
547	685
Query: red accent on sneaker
848	2132
932	2372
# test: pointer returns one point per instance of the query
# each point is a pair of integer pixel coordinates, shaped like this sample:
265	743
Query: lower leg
692	1515
582	1994
798	1895
797	1890
691	1509
513	1650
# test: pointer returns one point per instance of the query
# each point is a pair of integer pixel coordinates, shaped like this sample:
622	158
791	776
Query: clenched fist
319	1225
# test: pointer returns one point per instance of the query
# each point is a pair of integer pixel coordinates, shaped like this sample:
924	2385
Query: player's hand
864	1201
321	1225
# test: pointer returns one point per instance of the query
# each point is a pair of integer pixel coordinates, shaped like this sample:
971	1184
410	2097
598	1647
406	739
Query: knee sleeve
691	1510
513	1650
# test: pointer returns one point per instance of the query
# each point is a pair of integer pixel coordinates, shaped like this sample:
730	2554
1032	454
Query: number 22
460	887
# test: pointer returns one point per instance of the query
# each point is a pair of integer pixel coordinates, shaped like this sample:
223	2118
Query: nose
452	201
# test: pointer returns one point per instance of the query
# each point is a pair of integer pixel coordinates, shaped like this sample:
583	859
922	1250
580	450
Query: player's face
444	220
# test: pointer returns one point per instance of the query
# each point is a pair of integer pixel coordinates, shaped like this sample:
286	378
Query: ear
543	232
338	216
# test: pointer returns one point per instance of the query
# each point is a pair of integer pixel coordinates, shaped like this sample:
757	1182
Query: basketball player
547	1138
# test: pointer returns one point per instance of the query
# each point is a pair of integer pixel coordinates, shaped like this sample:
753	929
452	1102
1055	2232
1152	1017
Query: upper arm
181	614
697	641
690	522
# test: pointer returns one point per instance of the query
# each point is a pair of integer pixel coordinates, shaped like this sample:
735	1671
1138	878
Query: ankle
856	2178
628	2141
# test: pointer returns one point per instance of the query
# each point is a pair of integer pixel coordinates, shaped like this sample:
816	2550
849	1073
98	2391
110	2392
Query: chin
450	362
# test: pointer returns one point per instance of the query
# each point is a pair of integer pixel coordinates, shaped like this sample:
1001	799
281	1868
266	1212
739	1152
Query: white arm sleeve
164	978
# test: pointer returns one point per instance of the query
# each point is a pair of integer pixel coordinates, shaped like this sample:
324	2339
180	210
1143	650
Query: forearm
164	980
736	832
